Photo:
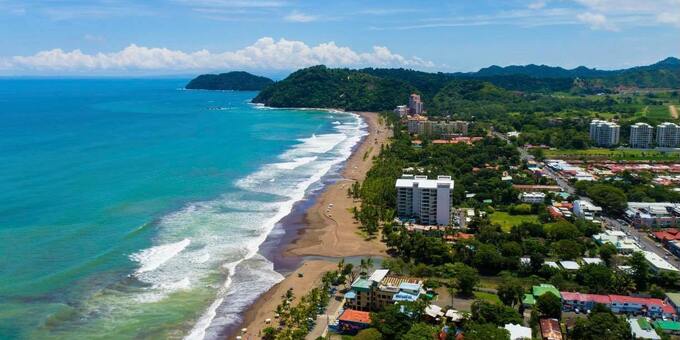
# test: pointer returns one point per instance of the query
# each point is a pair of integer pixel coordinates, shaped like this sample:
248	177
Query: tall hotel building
668	135
641	135
604	133
426	200
415	106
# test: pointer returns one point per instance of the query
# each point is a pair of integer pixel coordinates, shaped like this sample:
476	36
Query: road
643	240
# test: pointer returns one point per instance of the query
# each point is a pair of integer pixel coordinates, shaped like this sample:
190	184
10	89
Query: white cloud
596	21
636	12
537	4
297	16
266	53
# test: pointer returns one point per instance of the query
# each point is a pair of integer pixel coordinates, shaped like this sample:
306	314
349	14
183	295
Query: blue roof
404	296
409	286
351	295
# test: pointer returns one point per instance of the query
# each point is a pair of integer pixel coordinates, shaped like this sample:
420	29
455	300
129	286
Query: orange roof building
355	316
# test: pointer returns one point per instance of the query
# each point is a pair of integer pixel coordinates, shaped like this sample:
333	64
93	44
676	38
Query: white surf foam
154	257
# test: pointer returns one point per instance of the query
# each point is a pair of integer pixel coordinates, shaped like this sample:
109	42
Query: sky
168	37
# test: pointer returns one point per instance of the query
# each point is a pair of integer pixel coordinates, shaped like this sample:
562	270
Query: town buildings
668	135
401	110
586	210
381	289
623	304
532	197
604	133
415	105
653	215
641	135
427	201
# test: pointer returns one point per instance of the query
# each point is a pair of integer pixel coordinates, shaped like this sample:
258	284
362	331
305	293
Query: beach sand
329	231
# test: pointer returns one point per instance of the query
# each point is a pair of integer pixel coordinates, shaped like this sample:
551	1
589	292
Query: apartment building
604	133
415	105
445	129
668	135
641	135
381	289
401	110
427	201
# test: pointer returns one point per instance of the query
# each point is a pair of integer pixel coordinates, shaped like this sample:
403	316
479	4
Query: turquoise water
134	209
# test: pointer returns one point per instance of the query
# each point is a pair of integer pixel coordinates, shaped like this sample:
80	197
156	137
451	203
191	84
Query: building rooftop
544	288
378	275
641	329
592	260
356	316
667	325
674	298
569	265
361	284
550	329
410	181
658	262
518	331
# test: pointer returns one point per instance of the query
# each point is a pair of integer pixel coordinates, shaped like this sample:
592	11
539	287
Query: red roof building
355	316
550	329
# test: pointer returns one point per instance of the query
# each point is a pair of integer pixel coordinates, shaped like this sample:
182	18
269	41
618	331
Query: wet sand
327	231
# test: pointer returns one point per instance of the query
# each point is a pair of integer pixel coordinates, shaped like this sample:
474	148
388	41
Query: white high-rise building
426	200
668	135
641	135
604	133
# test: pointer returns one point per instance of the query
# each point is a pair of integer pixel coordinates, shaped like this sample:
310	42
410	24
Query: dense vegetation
237	81
320	86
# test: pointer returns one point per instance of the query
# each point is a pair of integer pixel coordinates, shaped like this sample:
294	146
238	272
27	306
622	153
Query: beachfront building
532	197
421	126
415	105
352	321
401	110
381	289
586	210
427	201
653	215
604	133
641	135
668	135
414	124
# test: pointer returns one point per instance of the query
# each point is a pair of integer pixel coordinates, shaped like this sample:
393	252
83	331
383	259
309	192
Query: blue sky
275	36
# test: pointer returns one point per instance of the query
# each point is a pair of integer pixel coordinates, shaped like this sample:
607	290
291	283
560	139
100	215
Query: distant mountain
237	81
540	71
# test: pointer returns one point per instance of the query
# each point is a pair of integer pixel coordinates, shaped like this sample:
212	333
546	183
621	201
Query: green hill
319	86
237	81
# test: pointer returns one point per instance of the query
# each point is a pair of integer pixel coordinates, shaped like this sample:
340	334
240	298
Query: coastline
326	231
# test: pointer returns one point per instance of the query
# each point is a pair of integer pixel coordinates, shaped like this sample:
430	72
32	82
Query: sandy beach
330	230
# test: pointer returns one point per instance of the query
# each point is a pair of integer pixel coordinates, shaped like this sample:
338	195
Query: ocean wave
154	257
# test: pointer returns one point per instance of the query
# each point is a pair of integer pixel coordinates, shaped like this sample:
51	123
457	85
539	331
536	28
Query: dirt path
674	111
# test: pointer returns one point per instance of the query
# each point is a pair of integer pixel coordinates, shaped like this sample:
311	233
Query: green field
506	221
493	298
614	154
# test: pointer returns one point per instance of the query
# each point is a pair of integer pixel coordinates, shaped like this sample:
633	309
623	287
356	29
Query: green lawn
506	221
493	298
616	154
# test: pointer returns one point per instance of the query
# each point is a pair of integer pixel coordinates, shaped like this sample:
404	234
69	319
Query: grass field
506	221
487	297
616	154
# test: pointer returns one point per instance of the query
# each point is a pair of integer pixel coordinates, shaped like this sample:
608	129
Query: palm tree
369	263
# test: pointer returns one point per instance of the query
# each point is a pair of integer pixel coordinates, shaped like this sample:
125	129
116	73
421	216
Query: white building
532	197
668	135
641	135
586	210
604	133
658	264
623	244
401	110
518	332
426	200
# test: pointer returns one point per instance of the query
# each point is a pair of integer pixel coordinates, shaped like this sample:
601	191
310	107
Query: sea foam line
199	330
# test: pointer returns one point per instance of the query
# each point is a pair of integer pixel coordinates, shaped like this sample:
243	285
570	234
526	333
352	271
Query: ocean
131	208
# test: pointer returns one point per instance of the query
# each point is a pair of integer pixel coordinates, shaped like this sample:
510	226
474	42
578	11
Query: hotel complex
427	201
641	135
604	133
668	135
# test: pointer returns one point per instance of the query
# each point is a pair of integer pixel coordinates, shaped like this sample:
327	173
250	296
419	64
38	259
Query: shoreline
324	231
